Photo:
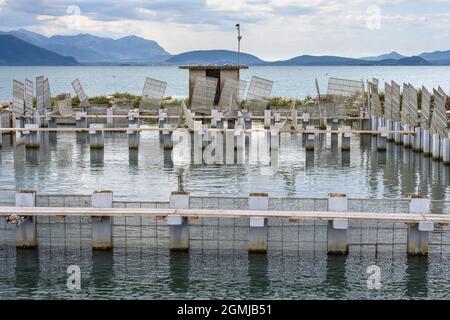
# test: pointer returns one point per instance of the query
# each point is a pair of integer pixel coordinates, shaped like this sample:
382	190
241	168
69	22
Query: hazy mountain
388	56
90	49
16	52
307	60
219	57
437	57
410	61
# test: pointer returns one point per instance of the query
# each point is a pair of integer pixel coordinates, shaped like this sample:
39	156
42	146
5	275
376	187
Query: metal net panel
242	87
40	93
374	101
28	97
152	94
425	118
387	101
344	87
410	107
439	116
64	104
259	89
229	93
47	95
18	98
76	84
395	101
204	92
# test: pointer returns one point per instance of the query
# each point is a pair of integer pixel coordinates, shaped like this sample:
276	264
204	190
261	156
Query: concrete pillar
179	226
109	117
133	136
213	118
334	125
417	139
51	121
267	118
398	136
32	138
390	127
305	120
219	120
373	123
163	121
133	117
167	137
26	235
435	146
257	237
102	226
337	228
310	139
346	139
96	137
248	121
426	142
418	233
274	139
81	119
446	151
382	139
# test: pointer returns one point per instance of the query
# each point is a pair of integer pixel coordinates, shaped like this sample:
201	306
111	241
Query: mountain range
23	47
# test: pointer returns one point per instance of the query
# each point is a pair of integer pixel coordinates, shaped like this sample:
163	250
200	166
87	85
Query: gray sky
271	29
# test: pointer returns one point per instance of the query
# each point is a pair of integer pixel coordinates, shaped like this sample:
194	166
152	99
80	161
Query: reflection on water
137	274
65	164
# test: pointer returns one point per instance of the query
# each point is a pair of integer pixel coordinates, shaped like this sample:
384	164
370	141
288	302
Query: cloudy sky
271	29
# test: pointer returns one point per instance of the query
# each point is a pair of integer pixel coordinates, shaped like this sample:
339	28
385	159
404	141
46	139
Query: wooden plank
200	213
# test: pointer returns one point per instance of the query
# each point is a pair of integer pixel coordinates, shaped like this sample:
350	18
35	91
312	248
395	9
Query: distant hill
388	56
219	57
307	60
411	61
437	57
92	49
16	52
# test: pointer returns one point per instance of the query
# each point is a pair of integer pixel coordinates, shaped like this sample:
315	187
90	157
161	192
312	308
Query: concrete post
398	136
310	139
373	123
32	138
102	226
334	125
274	139
257	237
390	127
435	146
417	144
96	137
179	226
133	117
214	118
162	119
133	136
426	142
305	120
446	151
248	121
418	233
337	229
109	117
51	121
26	235
346	138
219	120
167	137
382	139
81	119
267	118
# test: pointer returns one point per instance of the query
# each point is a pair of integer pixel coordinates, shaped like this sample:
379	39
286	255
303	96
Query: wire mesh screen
229	93
40	93
374	101
204	92
18	98
413	119
64	104
28	96
387	101
439	116
395	102
344	87
259	89
47	95
425	117
76	84
152	94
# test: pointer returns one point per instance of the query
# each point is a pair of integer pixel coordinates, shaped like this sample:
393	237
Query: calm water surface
294	82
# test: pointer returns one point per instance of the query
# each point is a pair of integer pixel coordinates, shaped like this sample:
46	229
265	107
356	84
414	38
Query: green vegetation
99	100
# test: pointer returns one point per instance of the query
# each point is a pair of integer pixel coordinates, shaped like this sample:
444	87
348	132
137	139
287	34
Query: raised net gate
152	94
258	94
425	117
439	116
204	93
18	98
28	97
80	93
